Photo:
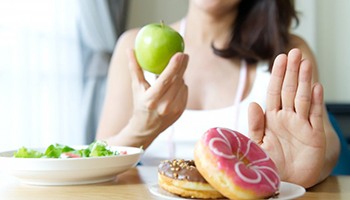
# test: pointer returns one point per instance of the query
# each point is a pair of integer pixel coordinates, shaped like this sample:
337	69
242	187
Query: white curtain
40	73
101	23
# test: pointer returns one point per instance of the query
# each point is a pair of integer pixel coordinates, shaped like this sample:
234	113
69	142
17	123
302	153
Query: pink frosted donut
236	166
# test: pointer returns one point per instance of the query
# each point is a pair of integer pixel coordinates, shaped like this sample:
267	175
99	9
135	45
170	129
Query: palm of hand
296	147
291	130
159	106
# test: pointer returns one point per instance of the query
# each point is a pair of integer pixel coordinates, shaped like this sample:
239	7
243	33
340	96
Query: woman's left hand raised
291	129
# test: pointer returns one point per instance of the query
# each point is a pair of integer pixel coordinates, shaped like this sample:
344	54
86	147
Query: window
40	73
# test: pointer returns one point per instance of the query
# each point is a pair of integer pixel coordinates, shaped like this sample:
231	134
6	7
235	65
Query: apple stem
162	23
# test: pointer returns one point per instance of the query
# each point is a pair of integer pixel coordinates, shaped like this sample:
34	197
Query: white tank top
178	140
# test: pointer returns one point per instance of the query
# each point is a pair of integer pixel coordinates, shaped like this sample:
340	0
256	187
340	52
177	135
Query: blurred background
54	57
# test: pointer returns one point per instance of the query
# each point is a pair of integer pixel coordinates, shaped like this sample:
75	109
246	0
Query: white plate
70	171
287	191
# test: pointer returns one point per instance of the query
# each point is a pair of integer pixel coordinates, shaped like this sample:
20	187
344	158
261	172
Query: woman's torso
178	141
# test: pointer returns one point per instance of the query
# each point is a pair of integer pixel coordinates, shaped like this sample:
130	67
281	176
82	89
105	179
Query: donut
181	177
236	166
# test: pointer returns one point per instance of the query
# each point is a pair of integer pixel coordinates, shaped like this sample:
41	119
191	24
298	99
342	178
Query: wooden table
133	184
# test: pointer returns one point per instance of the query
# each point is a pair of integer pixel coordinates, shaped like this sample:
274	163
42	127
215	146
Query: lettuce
95	149
23	152
100	148
55	151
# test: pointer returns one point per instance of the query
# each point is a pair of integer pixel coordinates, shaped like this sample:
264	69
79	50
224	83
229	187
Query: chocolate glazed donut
182	178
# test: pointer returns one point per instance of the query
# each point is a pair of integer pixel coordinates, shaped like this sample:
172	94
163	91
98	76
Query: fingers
174	101
167	86
303	94
172	73
176	68
317	106
171	86
290	83
273	99
136	72
256	123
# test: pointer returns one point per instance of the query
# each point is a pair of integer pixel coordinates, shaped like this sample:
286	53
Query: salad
95	149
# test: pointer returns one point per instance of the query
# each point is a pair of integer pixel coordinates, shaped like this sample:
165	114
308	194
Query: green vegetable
100	148
83	152
23	152
55	151
95	149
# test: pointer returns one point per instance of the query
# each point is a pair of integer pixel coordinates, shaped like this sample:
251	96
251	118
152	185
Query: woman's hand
291	129
158	106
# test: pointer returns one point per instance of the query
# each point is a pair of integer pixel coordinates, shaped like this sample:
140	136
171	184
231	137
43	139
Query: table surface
134	183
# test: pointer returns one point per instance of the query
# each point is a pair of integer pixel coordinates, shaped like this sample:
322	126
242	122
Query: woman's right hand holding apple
158	106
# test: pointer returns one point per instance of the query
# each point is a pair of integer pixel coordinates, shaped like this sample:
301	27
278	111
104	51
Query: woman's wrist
136	133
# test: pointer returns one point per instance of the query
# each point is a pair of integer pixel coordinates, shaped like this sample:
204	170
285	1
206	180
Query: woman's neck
204	28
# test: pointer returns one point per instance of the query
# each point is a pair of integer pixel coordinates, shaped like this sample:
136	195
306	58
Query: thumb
256	123
137	76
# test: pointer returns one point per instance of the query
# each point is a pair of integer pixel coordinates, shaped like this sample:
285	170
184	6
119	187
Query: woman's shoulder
127	39
297	41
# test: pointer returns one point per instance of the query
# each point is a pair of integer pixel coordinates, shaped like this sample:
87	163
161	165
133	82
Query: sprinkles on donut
182	178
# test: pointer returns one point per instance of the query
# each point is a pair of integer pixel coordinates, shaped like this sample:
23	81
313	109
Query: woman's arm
135	112
118	107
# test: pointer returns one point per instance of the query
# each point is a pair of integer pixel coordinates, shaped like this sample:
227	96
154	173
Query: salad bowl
70	171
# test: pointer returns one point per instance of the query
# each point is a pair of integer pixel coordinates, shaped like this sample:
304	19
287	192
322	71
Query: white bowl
69	171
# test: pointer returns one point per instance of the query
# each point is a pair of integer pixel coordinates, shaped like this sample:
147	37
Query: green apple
155	44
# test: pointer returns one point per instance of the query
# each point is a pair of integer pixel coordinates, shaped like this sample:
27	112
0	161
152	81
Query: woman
232	75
